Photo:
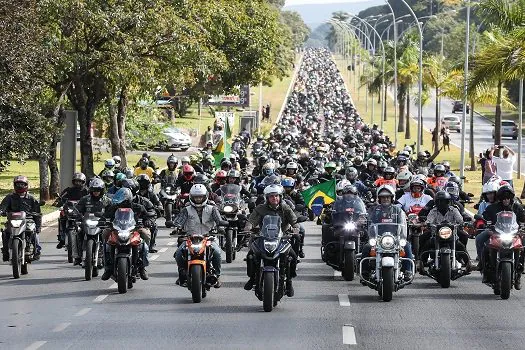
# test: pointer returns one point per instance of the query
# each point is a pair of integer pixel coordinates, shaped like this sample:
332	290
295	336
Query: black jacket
491	213
14	202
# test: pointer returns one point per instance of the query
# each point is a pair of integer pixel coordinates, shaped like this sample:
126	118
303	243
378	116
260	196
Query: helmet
417	183
188	172
123	195
117	160
201	179
268	169
97	185
288	182
404	176
490	187
291	165
358	160
341	185
441	169
20	184
273	189
145	155
386	191
453	189
172	160
185	159
119	177
262	160
226	165
128	172
405	153
234	174
351	173
143	162
371	161
421	156
408	149
505	192
198	195
233	157
455	179
79	179
389	173
194	159
144	181
446	164
330	165
339	150
109	163
107	176
221	175
350	189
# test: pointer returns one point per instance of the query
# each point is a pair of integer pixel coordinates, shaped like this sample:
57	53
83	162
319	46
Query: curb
50	217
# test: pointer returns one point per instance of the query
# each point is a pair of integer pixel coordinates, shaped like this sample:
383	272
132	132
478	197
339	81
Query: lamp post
465	93
395	71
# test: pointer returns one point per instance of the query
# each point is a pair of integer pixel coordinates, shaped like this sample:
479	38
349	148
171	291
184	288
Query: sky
303	2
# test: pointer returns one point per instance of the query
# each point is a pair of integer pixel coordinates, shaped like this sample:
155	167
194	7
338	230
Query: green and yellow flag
317	196
223	148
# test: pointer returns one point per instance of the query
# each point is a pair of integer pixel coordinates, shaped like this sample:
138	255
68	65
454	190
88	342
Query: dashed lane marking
171	243
36	345
163	250
60	327
154	257
83	311
100	298
337	275
113	286
349	335
344	300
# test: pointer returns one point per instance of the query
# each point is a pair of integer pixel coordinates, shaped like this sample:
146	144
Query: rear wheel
69	247
228	248
268	291
349	265
88	263
16	258
196	283
387	284
505	280
444	271
122	275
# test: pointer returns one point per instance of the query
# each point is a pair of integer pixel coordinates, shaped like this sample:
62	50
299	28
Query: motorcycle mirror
470	194
302	219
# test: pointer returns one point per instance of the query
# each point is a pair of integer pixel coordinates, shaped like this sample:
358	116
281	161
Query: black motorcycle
22	243
230	209
168	197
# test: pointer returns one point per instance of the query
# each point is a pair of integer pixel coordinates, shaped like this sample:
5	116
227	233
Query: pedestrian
445	133
268	113
504	163
208	135
489	169
433	132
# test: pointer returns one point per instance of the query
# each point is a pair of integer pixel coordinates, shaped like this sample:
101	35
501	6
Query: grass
473	179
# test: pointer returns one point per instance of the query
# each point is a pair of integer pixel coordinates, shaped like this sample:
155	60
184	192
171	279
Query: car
176	139
509	128
457	106
451	121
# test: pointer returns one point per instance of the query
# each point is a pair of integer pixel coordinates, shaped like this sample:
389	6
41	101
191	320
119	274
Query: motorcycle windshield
271	227
378	230
124	219
352	206
230	194
506	223
270	180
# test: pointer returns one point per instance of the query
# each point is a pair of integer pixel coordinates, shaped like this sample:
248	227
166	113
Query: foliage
300	30
144	125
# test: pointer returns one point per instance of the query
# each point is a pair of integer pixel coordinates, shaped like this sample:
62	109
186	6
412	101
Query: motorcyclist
386	211
290	194
146	191
198	218
143	168
438	180
117	183
488	194
414	200
351	175
109	165
108	177
220	179
151	162
370	174
186	180
73	193
171	172
275	206
21	200
329	172
403	183
234	177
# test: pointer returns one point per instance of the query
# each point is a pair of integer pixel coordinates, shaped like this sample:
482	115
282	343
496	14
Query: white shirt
413	205
504	166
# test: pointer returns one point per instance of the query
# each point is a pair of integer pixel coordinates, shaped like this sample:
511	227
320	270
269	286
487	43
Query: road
54	308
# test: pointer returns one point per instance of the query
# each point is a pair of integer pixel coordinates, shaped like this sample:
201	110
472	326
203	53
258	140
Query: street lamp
465	92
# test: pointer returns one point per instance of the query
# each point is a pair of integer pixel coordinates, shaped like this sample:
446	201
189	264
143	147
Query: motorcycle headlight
70	211
168	189
506	238
123	235
196	247
445	232
270	246
387	242
31	226
402	242
372	242
227	209
16	223
349	226
91	222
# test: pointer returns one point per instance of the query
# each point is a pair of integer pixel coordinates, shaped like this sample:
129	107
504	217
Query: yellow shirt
148	171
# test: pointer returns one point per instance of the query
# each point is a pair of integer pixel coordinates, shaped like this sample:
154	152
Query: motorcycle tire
69	247
196	283
349	265
505	280
444	272
95	271
387	284
88	262
16	258
268	291
23	268
168	211
122	275
228	246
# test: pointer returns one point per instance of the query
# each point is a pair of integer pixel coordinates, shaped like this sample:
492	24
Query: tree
299	29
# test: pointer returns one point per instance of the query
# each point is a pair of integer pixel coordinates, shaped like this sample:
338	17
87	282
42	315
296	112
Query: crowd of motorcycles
319	138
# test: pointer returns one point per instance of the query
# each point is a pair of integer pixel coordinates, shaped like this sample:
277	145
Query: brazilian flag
317	196
223	148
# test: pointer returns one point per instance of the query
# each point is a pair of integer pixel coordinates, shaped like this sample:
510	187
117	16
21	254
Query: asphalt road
54	308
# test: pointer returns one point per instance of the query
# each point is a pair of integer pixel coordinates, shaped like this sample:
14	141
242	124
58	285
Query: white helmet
408	149
342	184
490	187
117	160
386	190
198	195
404	176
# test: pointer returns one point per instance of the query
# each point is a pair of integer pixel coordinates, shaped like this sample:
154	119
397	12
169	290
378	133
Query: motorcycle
268	247
92	246
230	210
168	197
387	254
505	245
125	243
442	261
341	241
22	245
201	274
415	230
70	213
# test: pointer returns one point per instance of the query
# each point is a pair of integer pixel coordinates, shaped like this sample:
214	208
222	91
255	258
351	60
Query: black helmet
97	185
201	179
143	181
144	162
79	179
442	200
440	168
505	192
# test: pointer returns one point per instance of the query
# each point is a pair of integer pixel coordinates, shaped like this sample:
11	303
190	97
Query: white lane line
154	257
171	243
36	345
344	300
163	250
60	327
100	298
349	335
113	286
337	275
83	312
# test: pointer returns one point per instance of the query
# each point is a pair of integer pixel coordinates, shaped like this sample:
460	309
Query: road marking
61	327
83	311
344	300
337	275
100	298
163	250
349	335
171	243
36	345
154	257
113	286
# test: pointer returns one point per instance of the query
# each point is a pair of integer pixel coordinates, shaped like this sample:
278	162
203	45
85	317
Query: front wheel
349	265
16	258
268	291
69	246
196	283
228	248
444	271
505	280
88	263
122	275
387	284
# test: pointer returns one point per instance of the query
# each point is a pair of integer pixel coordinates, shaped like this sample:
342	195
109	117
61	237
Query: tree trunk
401	114
407	129
113	128
385	94
121	123
44	177
471	140
497	119
436	128
54	182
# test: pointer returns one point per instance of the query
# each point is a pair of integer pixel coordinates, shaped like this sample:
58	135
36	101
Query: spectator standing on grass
208	136
445	133
504	163
268	113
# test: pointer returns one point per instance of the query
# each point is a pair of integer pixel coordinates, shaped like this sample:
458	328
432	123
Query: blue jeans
407	266
481	239
180	257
